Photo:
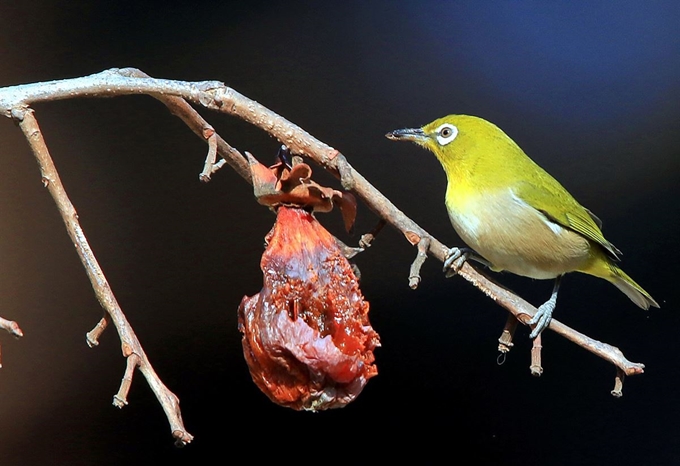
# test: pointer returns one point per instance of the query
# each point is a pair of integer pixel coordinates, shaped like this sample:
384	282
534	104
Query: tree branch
216	96
131	347
15	101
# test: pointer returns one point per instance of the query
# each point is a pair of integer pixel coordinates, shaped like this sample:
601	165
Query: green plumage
512	212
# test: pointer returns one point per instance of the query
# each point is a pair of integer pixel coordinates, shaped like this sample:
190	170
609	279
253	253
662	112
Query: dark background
591	92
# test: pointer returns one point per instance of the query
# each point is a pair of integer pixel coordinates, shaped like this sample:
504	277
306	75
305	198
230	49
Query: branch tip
536	368
92	337
11	327
182	438
348	251
367	239
617	392
505	343
119	402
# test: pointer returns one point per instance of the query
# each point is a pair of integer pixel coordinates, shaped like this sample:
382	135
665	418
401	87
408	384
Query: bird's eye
446	133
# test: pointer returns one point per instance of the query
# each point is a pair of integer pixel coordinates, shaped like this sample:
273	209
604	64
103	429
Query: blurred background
589	90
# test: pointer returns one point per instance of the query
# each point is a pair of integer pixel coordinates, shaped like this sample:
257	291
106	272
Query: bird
515	216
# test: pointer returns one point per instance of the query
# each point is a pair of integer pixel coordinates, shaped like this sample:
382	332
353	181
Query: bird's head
450	136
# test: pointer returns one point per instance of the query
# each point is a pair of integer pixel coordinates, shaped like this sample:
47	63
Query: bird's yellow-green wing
559	206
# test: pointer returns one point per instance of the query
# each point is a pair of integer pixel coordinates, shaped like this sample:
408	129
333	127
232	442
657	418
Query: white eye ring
446	133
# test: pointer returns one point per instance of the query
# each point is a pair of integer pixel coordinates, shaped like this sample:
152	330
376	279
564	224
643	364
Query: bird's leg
542	318
453	254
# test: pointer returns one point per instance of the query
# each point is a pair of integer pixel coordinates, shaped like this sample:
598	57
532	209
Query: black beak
408	134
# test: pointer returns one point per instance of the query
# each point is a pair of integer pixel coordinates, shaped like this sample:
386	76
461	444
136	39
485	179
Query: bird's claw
455	258
542	318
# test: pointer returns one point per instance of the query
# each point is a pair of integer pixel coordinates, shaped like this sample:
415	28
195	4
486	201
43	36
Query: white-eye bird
515	215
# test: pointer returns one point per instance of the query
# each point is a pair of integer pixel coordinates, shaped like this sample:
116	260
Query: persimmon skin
307	338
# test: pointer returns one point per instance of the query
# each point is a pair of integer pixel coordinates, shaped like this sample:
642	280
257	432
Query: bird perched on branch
513	214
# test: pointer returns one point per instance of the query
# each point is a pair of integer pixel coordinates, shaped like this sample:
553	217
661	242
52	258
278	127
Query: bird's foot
542	318
455	258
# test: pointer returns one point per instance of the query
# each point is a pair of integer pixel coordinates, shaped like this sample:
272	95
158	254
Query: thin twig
120	398
209	167
414	275
11	327
618	383
348	251
536	368
367	239
130	344
92	337
505	343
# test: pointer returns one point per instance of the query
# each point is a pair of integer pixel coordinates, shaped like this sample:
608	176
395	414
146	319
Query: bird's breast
514	236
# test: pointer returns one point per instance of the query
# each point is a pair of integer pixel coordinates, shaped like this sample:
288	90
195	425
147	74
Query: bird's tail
603	267
635	292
